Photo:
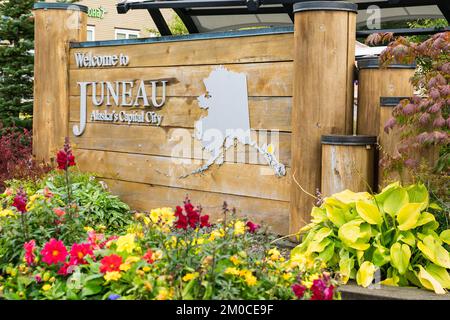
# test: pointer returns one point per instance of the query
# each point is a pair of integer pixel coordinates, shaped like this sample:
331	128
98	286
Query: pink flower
78	252
64	157
54	252
20	201
29	251
299	290
59	212
252	227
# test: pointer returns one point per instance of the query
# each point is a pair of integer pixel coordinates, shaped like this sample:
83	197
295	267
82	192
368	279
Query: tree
16	62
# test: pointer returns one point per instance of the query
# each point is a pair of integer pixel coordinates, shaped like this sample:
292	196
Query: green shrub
391	234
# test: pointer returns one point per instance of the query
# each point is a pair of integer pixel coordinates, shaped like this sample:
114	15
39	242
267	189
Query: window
90	33
126	34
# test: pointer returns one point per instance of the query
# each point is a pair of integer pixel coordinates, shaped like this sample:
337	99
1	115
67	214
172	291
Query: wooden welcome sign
138	111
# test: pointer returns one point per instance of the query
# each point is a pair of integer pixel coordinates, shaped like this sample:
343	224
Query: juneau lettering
88	60
121	94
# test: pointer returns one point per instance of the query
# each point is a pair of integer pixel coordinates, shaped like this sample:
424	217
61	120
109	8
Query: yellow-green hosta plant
389	238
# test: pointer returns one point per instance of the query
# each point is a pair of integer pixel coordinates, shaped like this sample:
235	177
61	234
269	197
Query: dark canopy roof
225	15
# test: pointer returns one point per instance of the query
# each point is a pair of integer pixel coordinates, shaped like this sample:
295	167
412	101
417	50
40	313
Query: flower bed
68	238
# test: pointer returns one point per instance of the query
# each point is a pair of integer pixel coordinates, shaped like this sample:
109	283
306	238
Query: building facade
104	23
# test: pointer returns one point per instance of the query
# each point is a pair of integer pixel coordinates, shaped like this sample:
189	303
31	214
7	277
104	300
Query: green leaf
381	197
327	254
400	255
436	253
318	215
429	282
395	200
445	236
418	193
408	216
425	217
335	215
440	274
365	274
346	266
350	197
380	256
369	212
407	237
92	287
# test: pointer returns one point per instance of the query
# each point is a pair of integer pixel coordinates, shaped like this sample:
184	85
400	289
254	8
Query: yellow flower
7	213
313	277
146	269
231	270
235	260
250	279
46	276
132	259
287	276
274	254
239	227
125	267
52	279
167	215
126	243
148	286
154	215
30	204
112	276
46	287
190	276
87	229
216	234
163	294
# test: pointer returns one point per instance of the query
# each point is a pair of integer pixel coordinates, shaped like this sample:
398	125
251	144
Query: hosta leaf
436	253
321	234
315	246
350	232
369	212
346	266
318	215
445	236
424	218
400	255
418	193
381	197
365	274
328	253
429	282
395	200
440	274
336	215
393	281
380	256
407	237
350	197
408	216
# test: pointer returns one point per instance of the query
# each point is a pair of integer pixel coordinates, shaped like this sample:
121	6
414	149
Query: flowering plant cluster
156	259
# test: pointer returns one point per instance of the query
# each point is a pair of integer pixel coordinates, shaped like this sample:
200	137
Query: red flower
29	251
148	256
320	291
193	217
79	251
59	212
47	193
110	263
64	157
54	252
299	290
20	201
252	227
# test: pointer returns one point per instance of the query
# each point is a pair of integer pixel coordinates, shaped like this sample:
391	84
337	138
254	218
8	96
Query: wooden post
324	57
56	24
375	82
347	163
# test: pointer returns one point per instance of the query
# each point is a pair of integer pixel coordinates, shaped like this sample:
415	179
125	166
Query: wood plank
144	197
262	48
263	79
231	178
178	142
269	113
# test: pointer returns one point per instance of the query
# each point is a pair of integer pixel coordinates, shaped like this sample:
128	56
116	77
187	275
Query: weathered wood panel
177	142
274	214
263	79
261	48
268	113
231	178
